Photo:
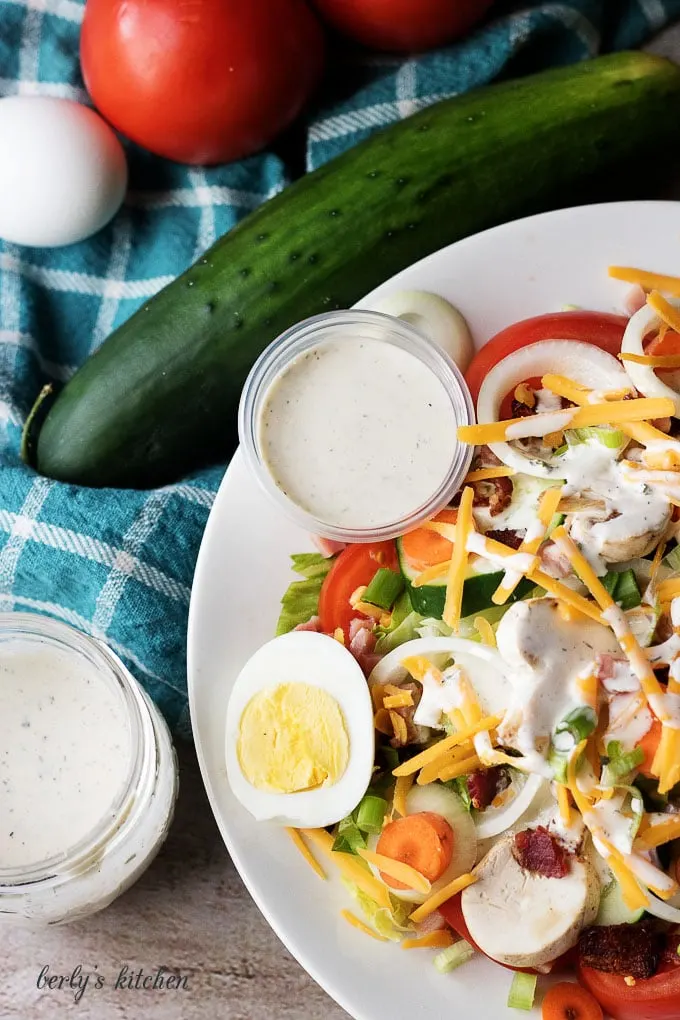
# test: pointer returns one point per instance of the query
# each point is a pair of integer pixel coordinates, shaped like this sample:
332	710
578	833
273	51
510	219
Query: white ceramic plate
525	268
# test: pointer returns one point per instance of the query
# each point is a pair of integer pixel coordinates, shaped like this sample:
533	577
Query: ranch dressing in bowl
349	421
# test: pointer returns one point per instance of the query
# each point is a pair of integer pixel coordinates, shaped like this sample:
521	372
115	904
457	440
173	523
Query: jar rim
24	625
387	329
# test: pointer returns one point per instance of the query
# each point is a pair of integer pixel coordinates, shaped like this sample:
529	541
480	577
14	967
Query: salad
478	723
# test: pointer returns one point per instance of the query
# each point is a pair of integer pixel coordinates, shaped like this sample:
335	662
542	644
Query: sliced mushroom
522	919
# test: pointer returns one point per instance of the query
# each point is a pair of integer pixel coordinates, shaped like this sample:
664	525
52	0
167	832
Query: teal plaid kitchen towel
118	564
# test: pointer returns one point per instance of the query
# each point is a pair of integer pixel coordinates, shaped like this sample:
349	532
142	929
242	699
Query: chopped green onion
558	761
384	589
620	762
349	838
370	814
623	588
672	559
522	991
605	434
453	956
579	723
557	519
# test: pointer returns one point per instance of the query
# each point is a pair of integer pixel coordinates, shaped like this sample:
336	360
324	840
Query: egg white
319	661
440	801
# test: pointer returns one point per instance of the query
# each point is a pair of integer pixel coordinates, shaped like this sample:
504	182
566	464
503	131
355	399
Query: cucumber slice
612	908
429	599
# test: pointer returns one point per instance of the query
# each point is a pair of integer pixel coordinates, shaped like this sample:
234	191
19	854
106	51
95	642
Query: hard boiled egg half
299	732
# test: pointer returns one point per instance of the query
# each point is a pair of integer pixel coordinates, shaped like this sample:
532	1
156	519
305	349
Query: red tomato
657	998
356	565
599	328
200	81
403	25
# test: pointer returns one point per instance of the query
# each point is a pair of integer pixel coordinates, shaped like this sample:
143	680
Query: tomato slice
599	328
356	565
452	912
656	998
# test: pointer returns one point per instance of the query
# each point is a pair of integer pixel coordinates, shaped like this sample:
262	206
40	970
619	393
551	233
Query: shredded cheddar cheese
419	667
435	901
433	940
646	280
606	413
456	578
655	361
485	631
564	805
433	573
485	474
399	726
361	926
658	834
547	508
402	700
462	768
667	312
352	869
306	852
397	870
401	789
442	747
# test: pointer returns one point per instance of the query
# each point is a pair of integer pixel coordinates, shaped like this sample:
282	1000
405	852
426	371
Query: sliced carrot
424	841
569	1001
423	548
650	745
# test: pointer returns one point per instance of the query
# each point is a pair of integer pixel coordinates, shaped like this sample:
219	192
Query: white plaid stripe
56	90
67	9
204	195
206	227
194	494
406	84
81	283
10	317
371	117
119	256
578	23
133	542
15	338
654	12
20	531
9	602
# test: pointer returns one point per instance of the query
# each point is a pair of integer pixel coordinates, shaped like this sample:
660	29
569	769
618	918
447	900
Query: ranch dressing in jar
88	775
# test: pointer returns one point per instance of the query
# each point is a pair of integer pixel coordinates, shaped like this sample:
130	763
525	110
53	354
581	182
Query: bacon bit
484	786
554	561
327	546
494	493
513	539
314	625
630	950
538	851
362	640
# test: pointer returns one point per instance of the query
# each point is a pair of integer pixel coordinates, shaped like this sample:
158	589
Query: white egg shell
320	661
63	173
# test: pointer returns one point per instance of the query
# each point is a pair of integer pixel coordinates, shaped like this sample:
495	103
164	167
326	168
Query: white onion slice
582	362
644	377
663	909
431	315
484	667
493	821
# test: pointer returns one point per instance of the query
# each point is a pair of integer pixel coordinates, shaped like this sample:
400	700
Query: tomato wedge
656	998
599	328
356	565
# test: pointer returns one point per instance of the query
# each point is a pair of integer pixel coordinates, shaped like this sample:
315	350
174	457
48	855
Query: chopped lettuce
301	601
605	434
392	924
402	626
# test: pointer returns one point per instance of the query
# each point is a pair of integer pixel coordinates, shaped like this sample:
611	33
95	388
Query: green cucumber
612	909
159	398
428	600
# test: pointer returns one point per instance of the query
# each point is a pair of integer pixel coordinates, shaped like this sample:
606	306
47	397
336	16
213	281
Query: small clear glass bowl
370	326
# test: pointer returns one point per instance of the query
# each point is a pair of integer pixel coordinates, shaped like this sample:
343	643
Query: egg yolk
292	738
423	840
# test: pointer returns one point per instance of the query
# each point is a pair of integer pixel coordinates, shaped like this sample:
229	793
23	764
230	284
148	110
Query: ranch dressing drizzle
357	432
65	751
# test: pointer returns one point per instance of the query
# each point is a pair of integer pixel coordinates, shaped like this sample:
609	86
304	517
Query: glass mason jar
88	773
